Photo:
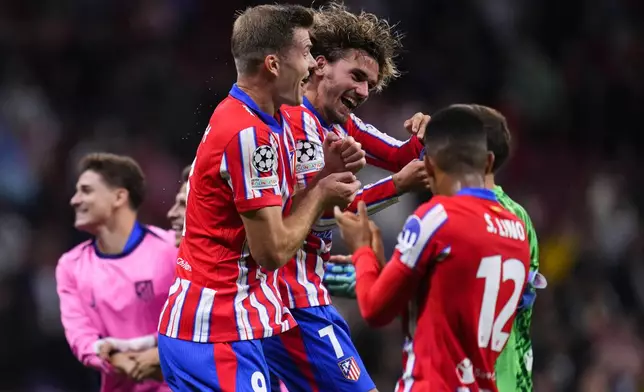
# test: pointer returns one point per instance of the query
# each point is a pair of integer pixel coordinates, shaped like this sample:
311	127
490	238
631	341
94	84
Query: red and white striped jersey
456	275
302	278
244	162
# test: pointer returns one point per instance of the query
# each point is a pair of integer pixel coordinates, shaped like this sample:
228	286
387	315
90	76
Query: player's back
468	300
243	163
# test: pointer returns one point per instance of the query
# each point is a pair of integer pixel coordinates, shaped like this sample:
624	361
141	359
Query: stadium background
141	77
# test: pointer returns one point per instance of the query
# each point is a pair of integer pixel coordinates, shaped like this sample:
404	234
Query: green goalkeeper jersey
514	365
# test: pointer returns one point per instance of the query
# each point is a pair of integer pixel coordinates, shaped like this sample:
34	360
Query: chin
86	226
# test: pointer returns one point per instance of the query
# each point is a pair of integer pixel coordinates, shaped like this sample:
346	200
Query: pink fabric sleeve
81	334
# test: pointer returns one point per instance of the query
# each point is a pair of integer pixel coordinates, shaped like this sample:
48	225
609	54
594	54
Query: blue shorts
318	355
225	367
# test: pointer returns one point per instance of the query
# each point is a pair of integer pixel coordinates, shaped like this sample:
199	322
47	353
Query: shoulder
302	122
230	118
74	255
162	235
429	216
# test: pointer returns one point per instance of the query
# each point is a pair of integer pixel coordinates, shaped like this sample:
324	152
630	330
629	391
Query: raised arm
383	150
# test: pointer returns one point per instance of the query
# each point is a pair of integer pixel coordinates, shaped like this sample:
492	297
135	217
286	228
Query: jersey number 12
494	270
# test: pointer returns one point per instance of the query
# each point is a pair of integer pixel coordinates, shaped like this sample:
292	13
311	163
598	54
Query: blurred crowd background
141	77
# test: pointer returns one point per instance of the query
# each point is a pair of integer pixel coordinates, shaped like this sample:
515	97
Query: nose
362	90
311	62
172	212
75	200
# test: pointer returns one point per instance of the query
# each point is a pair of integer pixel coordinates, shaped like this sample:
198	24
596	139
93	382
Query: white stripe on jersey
202	316
429	223
263	315
319	271
302	279
373	131
223	170
407	377
173	289
285	324
310	128
247	146
270	295
241	314
175	314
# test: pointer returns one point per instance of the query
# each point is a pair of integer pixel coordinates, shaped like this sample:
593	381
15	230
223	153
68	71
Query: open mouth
350	103
177	227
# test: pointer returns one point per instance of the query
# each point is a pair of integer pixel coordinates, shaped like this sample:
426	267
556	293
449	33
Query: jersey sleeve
382	296
80	332
377	197
383	150
250	165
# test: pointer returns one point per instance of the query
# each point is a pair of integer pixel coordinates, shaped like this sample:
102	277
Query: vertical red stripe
190	305
226	366
294	344
165	317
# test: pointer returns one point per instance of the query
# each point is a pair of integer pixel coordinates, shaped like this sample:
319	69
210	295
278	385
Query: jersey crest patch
265	159
350	369
309	157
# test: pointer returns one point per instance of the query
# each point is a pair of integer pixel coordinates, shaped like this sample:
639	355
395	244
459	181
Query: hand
411	177
147	364
354	228
123	363
417	125
338	189
342	154
105	351
340	277
377	244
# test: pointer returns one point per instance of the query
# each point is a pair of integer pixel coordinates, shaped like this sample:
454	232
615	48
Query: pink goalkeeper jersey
115	296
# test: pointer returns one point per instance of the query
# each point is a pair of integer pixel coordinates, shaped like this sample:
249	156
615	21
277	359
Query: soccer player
112	287
354	56
514	366
458	270
225	298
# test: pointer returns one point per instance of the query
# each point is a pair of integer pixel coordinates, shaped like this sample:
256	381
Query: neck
315	97
489	181
113	235
260	91
452	184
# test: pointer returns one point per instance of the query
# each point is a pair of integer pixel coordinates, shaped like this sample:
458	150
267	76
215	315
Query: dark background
141	77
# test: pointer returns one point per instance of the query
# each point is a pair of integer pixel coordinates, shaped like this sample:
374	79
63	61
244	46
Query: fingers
375	230
344	177
343	259
105	351
362	212
339	215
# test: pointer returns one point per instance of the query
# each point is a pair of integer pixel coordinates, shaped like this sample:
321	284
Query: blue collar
309	105
482	193
240	95
133	241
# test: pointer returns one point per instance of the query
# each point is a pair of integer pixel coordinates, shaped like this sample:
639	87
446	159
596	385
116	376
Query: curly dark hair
336	30
499	139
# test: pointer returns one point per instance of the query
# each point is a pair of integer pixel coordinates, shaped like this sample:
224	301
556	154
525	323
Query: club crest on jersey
409	234
350	369
265	159
308	156
144	290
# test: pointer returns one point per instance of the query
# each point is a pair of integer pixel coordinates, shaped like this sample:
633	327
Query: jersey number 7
494	270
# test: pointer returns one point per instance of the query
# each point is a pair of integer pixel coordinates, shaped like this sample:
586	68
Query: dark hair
265	29
456	139
118	171
336	30
498	134
185	174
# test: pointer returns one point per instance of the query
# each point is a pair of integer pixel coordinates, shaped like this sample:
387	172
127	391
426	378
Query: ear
489	163
122	197
429	165
321	62
271	63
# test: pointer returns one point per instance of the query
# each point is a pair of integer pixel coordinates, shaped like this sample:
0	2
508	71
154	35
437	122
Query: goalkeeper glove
535	281
340	280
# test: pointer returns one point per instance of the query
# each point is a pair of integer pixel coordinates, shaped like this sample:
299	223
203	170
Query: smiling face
345	83
177	213
94	201
293	67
